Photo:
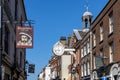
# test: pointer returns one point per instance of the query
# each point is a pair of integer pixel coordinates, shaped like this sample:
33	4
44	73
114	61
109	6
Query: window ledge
94	47
110	34
101	42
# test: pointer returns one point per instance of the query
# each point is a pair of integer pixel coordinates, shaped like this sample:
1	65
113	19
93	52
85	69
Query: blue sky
53	19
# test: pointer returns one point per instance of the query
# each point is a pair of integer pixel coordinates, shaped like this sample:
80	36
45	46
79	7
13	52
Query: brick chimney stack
63	40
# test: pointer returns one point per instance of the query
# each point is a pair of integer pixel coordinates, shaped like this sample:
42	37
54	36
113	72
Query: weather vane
86	5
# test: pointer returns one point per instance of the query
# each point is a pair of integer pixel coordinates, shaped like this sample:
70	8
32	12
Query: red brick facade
111	41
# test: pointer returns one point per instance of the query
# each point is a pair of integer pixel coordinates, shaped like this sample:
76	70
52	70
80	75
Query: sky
51	20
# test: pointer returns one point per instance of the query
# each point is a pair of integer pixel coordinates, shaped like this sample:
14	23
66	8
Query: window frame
94	38
111	22
111	51
101	31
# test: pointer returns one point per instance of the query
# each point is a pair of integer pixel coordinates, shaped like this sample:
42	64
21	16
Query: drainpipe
91	76
0	42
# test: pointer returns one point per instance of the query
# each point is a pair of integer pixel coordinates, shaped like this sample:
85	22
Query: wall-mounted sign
24	37
98	61
58	49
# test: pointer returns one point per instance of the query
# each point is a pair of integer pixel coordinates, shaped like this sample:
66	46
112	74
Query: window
88	68
94	62
111	48
7	76
16	9
88	46
81	52
85	70
6	39
101	52
101	32
85	50
94	39
82	70
21	59
111	23
103	57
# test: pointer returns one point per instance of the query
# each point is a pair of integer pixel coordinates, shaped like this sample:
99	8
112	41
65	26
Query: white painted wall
40	77
47	73
65	62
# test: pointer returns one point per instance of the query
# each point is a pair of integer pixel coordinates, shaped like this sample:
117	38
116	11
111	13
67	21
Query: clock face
58	49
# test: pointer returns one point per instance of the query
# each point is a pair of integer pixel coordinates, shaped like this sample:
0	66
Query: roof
82	33
79	33
75	31
87	14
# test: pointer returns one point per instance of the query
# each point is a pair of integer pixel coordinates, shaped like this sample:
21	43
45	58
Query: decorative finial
86	5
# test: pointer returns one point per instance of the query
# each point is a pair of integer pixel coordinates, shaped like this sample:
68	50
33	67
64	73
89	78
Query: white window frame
82	54
88	46
111	48
94	39
82	70
88	68
94	63
111	23
85	72
85	52
101	31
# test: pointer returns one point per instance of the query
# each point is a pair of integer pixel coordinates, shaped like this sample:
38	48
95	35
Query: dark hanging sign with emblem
24	37
31	68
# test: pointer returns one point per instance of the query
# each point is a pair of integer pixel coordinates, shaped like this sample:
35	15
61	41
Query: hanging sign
31	68
24	37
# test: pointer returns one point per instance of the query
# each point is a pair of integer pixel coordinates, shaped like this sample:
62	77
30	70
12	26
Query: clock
58	49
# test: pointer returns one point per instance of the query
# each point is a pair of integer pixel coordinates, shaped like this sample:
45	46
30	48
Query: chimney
69	38
63	40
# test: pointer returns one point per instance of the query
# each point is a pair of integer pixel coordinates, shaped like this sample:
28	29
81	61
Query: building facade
105	42
96	46
12	59
54	64
81	42
99	47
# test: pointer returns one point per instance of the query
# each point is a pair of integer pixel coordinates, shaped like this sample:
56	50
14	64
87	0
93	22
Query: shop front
110	72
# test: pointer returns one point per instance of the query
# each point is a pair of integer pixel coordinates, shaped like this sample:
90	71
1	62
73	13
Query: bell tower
86	19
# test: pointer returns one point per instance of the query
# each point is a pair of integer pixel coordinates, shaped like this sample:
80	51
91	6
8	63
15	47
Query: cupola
86	20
